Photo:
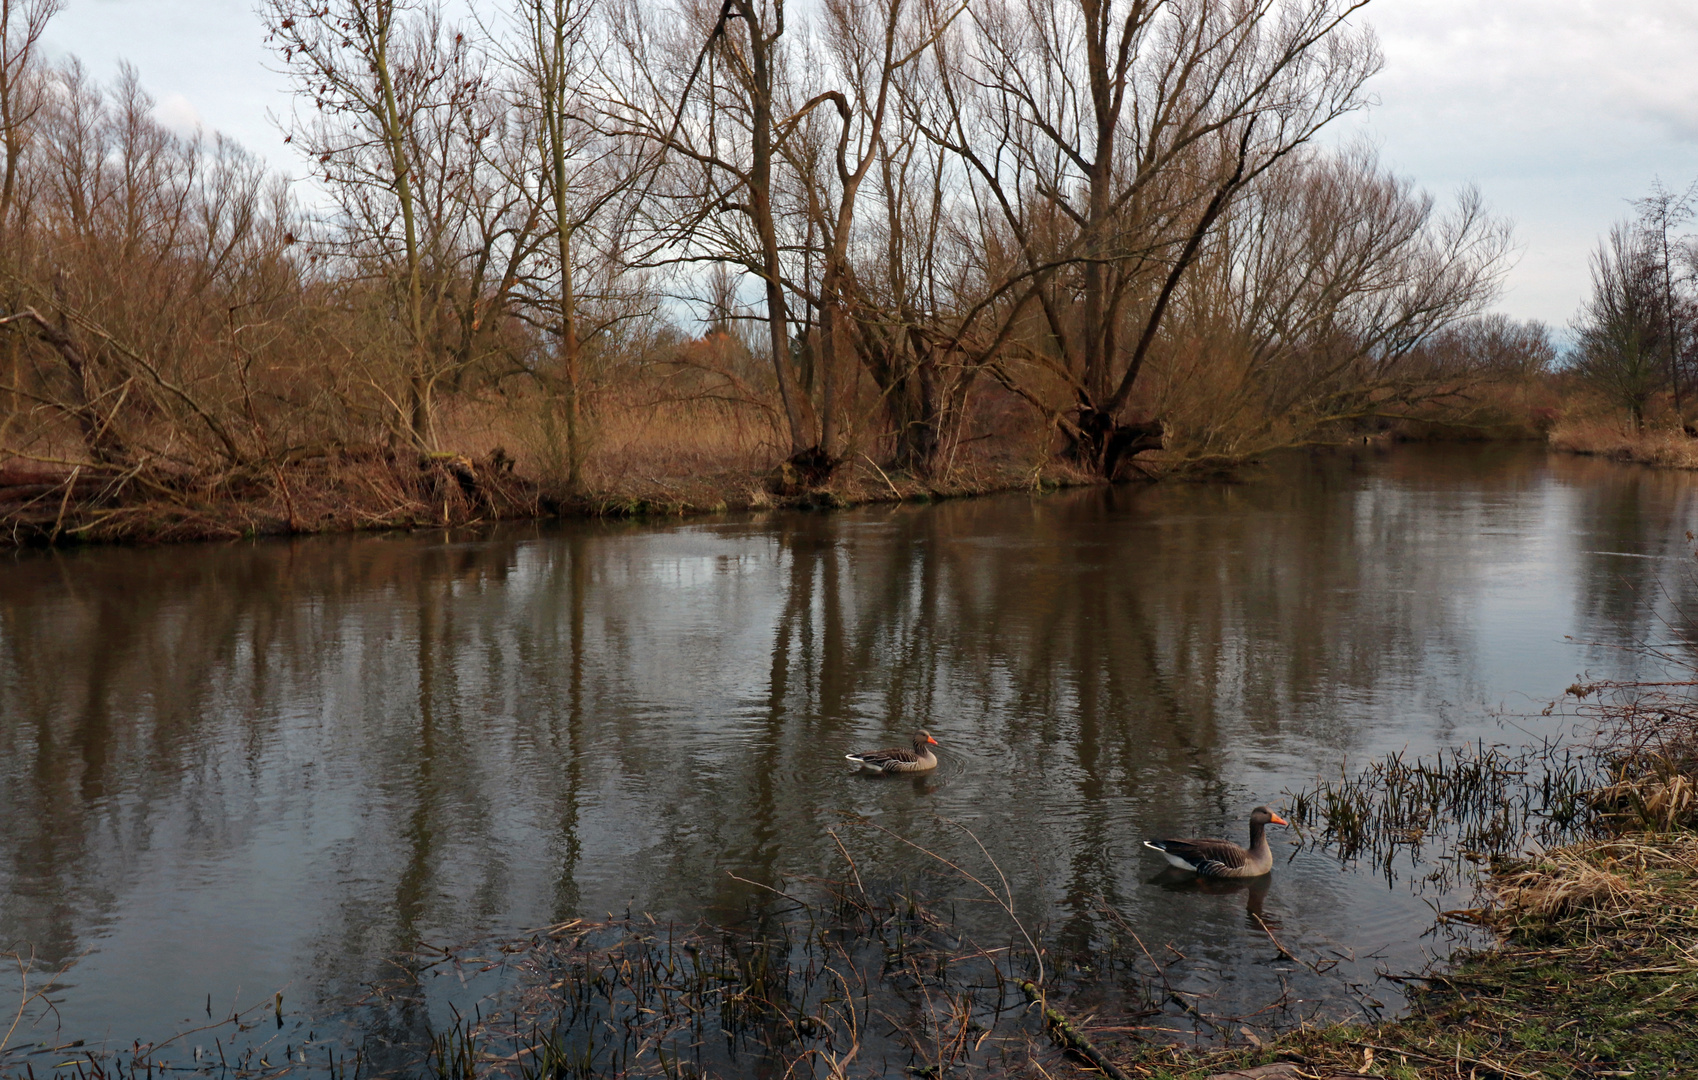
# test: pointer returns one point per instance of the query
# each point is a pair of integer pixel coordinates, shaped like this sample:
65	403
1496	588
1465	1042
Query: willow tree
23	96
1619	335
1305	311
22	88
711	90
1106	139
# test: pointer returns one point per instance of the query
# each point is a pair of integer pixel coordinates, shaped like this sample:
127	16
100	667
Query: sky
1560	111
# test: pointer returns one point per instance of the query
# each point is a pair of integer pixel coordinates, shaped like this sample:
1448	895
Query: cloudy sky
1559	110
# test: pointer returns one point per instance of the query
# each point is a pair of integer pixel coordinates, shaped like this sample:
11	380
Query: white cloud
1560	110
178	113
200	59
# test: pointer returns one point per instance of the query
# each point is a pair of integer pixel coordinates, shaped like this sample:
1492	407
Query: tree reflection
429	737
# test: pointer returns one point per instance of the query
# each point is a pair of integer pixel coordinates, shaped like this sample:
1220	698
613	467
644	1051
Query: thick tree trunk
915	416
1104	446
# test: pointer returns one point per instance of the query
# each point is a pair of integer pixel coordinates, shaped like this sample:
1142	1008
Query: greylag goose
900	759
1223	858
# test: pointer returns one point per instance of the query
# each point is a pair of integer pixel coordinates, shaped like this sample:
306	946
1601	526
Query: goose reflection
1255	889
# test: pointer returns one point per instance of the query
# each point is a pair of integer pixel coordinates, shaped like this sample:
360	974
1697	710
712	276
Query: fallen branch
1070	1036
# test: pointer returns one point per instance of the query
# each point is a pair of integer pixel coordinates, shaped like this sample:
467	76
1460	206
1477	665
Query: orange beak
933	741
1277	820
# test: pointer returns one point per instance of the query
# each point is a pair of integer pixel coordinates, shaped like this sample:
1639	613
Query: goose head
1263	816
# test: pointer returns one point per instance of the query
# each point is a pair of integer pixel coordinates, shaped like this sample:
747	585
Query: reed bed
1596	975
1461	807
1594	971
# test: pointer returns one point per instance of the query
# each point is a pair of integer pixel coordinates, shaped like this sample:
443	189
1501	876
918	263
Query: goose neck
1258	835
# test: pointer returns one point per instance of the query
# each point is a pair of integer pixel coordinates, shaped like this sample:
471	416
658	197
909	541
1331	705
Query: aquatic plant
1465	804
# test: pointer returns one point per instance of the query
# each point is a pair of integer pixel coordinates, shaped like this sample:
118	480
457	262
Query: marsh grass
1442	814
1596	975
1590	886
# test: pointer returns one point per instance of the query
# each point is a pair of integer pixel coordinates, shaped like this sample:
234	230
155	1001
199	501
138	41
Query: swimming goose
900	759
1223	858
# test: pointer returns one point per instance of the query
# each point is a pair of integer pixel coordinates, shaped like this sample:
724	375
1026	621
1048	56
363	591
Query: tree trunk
1103	445
760	210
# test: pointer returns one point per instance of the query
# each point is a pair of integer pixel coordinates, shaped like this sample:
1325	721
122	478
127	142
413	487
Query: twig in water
1069	1035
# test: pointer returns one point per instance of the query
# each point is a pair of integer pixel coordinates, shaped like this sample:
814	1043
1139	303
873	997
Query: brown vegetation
1664	447
933	253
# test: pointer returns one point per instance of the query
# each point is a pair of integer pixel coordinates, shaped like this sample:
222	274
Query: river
228	771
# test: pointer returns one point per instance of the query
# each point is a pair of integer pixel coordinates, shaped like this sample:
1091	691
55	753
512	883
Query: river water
234	770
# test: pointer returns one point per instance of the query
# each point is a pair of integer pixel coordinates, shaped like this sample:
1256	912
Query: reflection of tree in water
448	737
1637	578
1105	646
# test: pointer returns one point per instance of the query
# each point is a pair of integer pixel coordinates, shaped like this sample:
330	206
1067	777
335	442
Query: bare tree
1110	139
22	85
868	43
581	173
712	93
147	244
1619	332
1661	214
1323	280
22	22
402	132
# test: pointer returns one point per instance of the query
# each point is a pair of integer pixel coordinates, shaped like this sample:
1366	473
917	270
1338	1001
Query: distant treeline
919	234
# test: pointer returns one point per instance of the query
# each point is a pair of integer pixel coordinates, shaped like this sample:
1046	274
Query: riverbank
353	489
1662	447
1596	975
349	489
1594	972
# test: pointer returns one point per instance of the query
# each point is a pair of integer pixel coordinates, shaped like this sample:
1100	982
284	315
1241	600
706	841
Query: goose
900	759
1223	858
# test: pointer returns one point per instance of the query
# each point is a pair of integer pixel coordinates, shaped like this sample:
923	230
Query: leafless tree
582	175
145	245
22	22
1110	138
404	133
1321	282
1619	333
1661	215
711	89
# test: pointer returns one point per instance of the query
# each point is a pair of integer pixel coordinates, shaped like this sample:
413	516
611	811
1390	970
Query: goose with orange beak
900	759
1223	858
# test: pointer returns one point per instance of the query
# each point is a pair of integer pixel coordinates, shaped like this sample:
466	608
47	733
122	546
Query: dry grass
681	439
505	457
1665	447
1663	801
1593	876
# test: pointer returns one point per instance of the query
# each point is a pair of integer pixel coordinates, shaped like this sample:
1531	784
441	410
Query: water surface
233	770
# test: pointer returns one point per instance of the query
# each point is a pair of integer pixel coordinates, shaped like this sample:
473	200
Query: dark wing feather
894	755
1208	856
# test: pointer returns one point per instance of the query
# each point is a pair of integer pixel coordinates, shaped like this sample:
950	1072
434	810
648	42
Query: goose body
1223	858
900	759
